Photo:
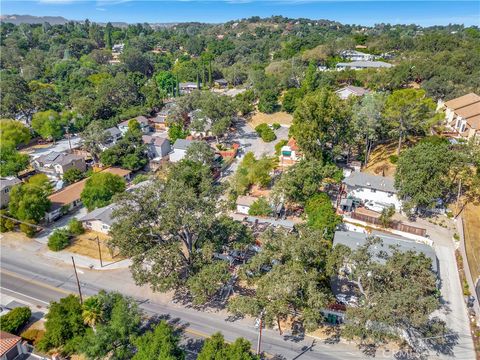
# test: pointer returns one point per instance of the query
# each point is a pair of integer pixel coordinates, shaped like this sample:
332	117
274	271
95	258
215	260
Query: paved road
250	141
37	280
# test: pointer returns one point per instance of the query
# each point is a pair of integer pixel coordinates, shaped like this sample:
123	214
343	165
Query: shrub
393	159
33	335
279	145
28	230
6	224
73	175
58	240
260	207
265	133
15	319
75	227
456	236
276	126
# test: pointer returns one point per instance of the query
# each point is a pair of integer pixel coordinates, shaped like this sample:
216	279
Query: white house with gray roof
6	184
99	220
376	192
180	149
360	65
388	244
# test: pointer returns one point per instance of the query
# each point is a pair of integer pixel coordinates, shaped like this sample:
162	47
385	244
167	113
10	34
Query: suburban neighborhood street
38	281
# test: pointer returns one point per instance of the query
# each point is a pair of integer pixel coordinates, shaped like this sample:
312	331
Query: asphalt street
39	281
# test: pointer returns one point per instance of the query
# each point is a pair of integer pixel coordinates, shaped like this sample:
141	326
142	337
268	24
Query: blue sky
352	12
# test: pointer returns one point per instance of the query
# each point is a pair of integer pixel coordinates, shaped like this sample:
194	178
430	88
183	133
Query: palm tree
92	312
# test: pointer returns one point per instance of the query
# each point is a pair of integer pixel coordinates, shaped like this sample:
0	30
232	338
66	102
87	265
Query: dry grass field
280	117
86	244
471	218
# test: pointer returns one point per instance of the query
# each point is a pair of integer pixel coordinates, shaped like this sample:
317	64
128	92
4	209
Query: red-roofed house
10	346
290	153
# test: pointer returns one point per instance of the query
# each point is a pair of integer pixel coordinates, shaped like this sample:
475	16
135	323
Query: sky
425	13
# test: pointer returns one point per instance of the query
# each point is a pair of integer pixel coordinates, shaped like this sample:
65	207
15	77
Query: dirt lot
86	244
280	117
471	217
379	158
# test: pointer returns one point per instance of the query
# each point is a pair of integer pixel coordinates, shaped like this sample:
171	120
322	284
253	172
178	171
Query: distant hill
30	19
59	20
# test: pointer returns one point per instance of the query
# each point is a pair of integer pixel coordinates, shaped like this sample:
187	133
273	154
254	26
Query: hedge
15	319
58	240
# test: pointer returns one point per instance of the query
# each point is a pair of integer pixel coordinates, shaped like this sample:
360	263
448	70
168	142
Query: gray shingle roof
364	180
354	240
113	131
357	90
103	214
8	181
182	144
55	158
366	64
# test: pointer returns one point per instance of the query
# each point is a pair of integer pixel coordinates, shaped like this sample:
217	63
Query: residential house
142	120
244	203
290	153
375	192
347	91
360	65
200	125
55	164
159	122
158	147
99	220
187	87
462	115
113	135
354	240
117	50
221	83
354	55
180	149
68	199
11	347
6	184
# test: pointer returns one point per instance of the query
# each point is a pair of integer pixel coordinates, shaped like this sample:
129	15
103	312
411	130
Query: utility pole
78	282
260	333
99	252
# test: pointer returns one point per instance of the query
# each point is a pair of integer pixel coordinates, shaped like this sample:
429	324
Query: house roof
57	158
113	131
354	240
359	91
154	140
361	179
7	342
292	143
72	192
103	214
366	64
463	101
188	84
246	200
221	81
182	144
9	181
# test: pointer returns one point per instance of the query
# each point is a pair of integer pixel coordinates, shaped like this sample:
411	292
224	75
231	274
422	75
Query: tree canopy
100	189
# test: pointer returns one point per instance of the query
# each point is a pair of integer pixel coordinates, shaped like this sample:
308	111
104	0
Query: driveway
60	146
60	223
454	310
250	141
